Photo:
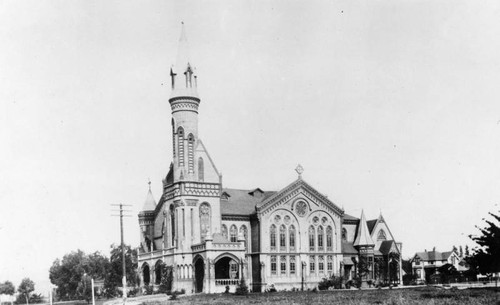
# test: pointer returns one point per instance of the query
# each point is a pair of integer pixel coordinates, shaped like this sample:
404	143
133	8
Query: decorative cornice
236	217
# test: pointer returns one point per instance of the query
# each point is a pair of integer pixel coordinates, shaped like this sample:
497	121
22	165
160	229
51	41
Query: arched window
321	236
329	238
344	234
282	238
191	153
234	234
172	224
272	234
180	137
204	220
224	231
244	232
291	236
381	235
201	170
312	237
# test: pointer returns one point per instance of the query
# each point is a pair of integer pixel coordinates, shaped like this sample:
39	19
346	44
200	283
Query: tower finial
299	169
149	184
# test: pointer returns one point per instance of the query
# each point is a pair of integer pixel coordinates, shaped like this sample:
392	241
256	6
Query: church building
211	236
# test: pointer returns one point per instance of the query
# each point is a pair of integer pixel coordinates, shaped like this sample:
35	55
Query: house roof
385	246
433	255
350	217
242	202
348	248
371	224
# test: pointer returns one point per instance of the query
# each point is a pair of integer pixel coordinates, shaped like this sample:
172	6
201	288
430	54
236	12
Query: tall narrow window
329	263
191	153
312	237
180	137
291	236
183	223
224	231
329	238
272	234
172	223
344	234
201	170
321	264
292	264
282	238
273	264
320	238
283	264
244	232
312	264
204	220
173	136
234	234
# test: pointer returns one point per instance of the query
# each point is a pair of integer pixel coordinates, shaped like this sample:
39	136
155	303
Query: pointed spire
363	237
182	74
150	203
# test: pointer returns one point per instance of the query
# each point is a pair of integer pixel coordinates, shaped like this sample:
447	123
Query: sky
390	106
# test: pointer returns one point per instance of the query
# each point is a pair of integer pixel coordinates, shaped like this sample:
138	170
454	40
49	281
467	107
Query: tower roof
183	73
363	237
150	203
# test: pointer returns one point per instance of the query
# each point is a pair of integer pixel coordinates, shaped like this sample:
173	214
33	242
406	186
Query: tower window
320	238
180	137
291	236
312	237
329	238
282	238
172	223
191	153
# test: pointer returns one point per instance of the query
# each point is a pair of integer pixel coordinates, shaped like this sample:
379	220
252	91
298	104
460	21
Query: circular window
287	219
316	220
277	218
324	220
301	208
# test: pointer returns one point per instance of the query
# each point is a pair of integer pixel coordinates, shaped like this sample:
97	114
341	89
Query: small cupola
257	193
150	203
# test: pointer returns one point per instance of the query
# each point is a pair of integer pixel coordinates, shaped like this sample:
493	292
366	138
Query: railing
198	247
226	282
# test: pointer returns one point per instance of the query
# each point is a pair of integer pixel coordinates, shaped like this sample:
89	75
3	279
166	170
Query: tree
7	288
85	288
114	275
486	256
461	252
455	249
67	273
467	253
447	272
26	287
167	278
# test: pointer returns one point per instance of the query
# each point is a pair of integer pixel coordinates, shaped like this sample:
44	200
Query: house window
344	235
273	264
291	235
273	238
292	264
234	234
311	238
224	231
283	264
381	235
417	261
321	263
172	223
312	266
329	263
282	238
233	267
329	238
320	238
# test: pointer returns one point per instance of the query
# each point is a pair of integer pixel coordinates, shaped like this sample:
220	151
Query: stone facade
213	236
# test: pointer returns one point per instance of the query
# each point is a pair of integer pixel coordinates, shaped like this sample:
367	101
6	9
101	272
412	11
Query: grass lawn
424	295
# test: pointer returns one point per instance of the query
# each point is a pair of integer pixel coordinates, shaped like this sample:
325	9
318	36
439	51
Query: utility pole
124	271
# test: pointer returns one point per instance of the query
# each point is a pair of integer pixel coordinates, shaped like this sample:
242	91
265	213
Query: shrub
173	296
333	281
227	289
148	290
242	288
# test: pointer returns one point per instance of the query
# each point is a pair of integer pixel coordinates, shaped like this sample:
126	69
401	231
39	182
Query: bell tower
184	102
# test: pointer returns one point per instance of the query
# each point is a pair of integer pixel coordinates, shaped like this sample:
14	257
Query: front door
199	274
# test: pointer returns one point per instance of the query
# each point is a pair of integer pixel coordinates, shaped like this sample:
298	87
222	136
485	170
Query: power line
124	278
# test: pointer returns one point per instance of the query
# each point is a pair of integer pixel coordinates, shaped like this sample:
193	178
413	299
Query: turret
184	102
146	222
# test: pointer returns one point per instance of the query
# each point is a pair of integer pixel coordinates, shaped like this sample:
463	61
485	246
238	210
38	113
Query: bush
148	290
242	288
173	297
333	281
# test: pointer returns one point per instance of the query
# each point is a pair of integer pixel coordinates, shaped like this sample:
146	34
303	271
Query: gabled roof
433	255
241	202
363	237
371	224
298	184
386	246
